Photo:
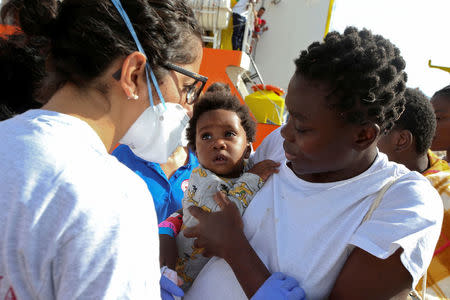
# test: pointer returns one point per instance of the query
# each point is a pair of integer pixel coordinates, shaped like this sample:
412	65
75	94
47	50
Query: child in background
441	105
220	131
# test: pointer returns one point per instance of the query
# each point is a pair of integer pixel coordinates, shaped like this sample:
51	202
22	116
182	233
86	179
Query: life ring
268	87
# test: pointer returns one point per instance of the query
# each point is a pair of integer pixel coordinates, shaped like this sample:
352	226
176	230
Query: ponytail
36	18
22	71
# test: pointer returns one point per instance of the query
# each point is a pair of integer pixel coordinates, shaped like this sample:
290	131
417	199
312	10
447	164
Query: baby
221	131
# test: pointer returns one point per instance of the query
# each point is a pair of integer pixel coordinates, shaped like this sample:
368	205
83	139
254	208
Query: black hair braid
366	72
45	11
218	96
87	35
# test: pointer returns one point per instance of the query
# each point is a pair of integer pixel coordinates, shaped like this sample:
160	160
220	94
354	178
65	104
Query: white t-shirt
270	148
307	230
76	223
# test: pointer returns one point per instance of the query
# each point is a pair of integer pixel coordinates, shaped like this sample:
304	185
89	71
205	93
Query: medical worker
76	223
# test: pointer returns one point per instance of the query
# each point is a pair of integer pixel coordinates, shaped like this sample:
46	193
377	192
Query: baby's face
221	143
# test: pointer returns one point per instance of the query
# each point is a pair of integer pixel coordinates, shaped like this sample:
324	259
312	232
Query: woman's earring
133	96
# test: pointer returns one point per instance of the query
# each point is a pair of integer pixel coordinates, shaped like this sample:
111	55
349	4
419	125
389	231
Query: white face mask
158	132
160	129
184	140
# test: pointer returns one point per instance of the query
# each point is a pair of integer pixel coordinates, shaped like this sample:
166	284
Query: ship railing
249	26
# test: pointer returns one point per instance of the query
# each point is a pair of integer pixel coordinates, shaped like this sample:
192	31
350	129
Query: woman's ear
248	151
133	70
366	135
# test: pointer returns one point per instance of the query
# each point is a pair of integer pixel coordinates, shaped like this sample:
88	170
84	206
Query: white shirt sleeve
270	148
408	217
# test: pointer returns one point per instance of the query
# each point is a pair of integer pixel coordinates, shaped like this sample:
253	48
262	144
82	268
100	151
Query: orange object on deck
214	65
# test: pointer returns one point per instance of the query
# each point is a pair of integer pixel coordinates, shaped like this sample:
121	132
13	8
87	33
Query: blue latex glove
169	289
279	287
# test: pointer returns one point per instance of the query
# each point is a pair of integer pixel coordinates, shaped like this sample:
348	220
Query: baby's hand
265	168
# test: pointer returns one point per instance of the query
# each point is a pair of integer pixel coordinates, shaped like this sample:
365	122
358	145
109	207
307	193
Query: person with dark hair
76	222
261	11
410	138
220	132
22	70
338	217
258	29
408	143
441	104
219	87
260	24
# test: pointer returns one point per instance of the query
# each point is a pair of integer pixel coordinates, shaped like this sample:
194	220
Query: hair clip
369	100
399	114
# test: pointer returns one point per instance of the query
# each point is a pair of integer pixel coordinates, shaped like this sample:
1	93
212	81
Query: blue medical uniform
167	193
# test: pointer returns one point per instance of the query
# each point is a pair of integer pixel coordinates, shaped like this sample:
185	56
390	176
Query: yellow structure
225	43
327	24
266	106
446	69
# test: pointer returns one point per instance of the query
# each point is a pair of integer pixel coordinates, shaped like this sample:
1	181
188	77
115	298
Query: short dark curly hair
418	118
218	96
443	92
366	72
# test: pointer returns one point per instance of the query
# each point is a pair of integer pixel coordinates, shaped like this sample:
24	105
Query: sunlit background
419	28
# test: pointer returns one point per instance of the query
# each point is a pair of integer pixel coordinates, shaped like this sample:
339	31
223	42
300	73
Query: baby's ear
248	151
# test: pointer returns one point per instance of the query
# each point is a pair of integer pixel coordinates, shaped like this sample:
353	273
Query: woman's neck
90	106
178	159
358	166
415	162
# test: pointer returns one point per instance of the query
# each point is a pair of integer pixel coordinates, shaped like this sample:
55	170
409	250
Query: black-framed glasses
194	89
